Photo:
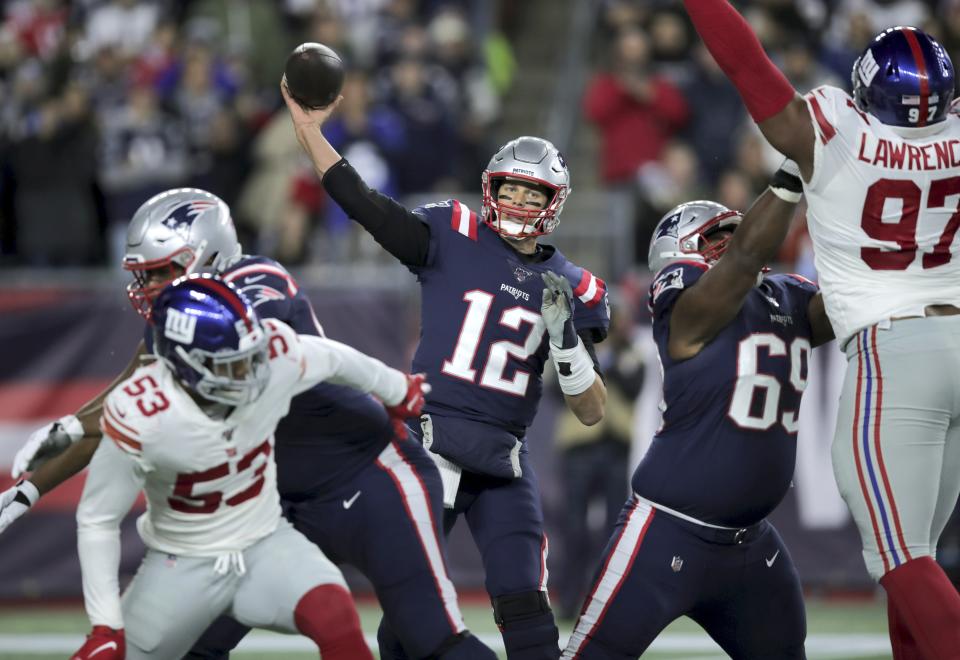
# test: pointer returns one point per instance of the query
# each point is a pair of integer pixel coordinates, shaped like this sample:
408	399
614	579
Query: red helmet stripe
229	295
922	71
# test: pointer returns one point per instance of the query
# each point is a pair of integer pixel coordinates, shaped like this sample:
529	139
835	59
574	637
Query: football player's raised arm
398	230
822	330
328	360
771	100
56	454
708	306
111	489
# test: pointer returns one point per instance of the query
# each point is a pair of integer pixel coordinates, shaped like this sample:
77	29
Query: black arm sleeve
401	232
587	337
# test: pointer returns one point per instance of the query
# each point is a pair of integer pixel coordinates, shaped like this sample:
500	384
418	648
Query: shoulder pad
131	409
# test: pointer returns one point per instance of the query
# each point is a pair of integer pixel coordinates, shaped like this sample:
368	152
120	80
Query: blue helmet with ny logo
904	78
209	335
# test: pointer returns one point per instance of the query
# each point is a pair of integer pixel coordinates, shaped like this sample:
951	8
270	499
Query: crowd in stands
672	128
106	102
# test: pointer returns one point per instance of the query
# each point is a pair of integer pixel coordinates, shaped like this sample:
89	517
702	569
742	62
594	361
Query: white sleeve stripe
591	291
463	224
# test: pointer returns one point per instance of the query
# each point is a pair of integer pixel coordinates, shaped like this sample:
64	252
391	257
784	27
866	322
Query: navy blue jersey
483	343
331	431
726	449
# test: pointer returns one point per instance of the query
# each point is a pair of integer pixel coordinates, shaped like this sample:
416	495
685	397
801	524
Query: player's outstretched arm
715	299
401	233
51	440
774	104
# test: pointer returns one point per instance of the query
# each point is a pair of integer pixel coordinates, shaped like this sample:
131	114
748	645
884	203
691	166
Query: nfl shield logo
676	564
521	273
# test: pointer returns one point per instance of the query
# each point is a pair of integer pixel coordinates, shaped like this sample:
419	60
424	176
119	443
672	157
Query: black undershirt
403	233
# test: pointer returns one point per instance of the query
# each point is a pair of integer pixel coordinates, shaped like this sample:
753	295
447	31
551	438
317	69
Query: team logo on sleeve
180	327
671	279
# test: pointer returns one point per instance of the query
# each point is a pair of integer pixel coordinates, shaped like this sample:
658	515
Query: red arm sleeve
728	37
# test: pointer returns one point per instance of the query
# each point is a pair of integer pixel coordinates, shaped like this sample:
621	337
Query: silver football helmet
682	234
528	160
175	233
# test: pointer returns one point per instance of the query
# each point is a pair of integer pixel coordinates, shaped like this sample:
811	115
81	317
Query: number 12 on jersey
460	364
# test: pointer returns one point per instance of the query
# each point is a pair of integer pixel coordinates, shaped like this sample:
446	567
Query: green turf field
835	630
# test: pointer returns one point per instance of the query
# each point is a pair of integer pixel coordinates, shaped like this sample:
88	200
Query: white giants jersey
210	484
883	214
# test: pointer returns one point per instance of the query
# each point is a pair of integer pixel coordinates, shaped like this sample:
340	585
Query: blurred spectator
37	25
636	111
734	190
425	97
124	25
661	185
801	67
54	176
593	462
715	109
198	87
251	28
670	43
144	152
478	102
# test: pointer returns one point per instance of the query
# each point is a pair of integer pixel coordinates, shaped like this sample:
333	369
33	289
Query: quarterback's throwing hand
102	643
45	443
15	501
411	405
556	310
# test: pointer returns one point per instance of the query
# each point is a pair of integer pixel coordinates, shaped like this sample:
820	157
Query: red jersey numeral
186	501
903	231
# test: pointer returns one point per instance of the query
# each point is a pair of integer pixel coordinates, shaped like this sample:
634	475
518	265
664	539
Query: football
314	75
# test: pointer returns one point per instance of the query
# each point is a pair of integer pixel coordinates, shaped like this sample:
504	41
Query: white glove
15	501
556	310
45	443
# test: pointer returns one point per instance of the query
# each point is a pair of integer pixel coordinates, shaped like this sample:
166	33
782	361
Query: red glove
410	406
102	643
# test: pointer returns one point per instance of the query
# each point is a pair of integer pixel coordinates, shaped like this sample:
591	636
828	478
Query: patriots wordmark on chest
518	294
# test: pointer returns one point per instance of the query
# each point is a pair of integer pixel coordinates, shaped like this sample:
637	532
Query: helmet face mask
209	336
176	232
689	232
904	78
535	163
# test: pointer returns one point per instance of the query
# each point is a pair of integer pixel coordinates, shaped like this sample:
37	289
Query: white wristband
574	368
71	426
29	491
786	195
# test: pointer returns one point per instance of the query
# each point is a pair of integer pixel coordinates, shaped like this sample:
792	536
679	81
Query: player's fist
45	443
411	405
102	643
557	310
16	501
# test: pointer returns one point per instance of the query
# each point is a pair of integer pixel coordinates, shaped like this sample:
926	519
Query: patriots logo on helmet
669	226
182	217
